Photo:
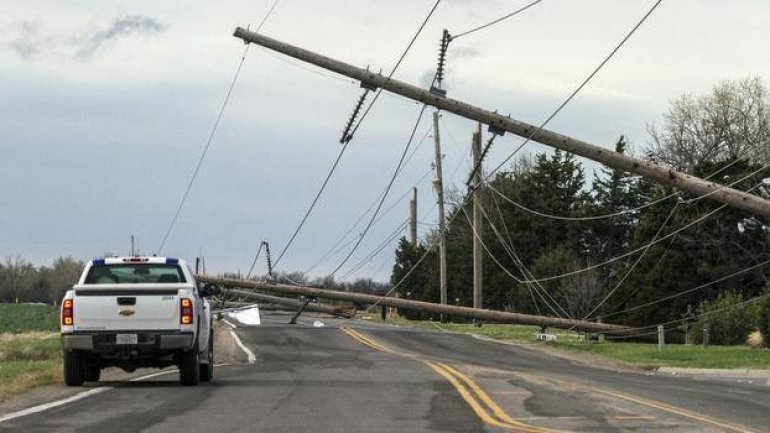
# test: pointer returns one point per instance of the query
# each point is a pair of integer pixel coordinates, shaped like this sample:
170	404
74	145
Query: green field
641	355
16	318
30	348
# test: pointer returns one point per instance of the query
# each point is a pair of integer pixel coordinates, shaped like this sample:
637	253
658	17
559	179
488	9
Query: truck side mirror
209	290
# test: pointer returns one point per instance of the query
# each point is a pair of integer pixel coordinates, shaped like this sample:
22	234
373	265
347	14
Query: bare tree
731	122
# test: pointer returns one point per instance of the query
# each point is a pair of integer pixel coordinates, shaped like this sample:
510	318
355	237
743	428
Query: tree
728	318
613	192
730	123
416	275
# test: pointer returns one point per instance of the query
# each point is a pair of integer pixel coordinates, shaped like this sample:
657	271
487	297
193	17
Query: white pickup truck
136	312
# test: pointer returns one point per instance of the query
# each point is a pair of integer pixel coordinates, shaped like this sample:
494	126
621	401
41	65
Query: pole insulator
446	38
346	134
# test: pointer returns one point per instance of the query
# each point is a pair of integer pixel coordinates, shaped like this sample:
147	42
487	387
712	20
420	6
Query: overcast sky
105	107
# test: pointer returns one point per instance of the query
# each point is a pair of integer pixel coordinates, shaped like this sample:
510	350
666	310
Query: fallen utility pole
294	303
616	160
473	313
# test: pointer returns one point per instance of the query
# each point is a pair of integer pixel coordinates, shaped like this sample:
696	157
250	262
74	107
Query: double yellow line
366	341
480	402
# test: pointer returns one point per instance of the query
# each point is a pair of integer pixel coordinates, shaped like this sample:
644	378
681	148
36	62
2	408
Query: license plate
126	339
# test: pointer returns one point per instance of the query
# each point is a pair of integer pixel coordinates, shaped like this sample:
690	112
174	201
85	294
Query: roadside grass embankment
30	349
640	355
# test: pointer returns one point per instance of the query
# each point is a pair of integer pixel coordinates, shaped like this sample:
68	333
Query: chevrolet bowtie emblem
126	312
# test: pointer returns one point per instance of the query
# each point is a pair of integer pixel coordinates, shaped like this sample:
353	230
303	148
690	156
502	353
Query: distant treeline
21	281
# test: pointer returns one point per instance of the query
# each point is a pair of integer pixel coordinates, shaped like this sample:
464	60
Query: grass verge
28	360
15	318
642	355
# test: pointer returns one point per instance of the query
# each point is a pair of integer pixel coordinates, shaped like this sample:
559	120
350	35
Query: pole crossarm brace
474	313
610	158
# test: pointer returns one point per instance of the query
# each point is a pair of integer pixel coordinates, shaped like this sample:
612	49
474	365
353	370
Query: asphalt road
349	376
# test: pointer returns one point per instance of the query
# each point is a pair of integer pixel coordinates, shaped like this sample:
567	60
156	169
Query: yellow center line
483	396
471	394
475	406
662	406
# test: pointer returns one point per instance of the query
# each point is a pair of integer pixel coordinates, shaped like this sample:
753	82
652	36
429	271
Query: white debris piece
249	316
545	337
318	324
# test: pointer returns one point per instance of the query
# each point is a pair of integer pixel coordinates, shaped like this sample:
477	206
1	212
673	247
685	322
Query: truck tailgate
118	307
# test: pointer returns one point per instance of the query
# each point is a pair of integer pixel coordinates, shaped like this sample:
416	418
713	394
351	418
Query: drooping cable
351	134
581	86
495	21
384	196
213	132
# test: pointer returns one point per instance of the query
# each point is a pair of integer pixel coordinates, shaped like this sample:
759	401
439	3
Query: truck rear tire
207	370
189	370
74	368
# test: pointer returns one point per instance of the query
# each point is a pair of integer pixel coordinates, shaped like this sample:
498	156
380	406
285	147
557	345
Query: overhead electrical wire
501	266
633	266
630	210
377	250
333	248
398	63
384	196
517	261
551	117
580	87
352	133
213	132
706	314
690	290
493	22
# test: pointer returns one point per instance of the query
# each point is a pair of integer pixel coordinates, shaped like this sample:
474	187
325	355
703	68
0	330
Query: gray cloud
30	42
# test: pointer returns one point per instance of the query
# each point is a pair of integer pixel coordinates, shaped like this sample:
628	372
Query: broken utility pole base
472	313
616	160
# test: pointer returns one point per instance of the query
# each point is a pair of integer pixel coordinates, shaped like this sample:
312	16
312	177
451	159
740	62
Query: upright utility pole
439	184
478	228
133	250
616	160
413	217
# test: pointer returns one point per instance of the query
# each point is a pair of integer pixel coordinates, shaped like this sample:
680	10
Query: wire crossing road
349	376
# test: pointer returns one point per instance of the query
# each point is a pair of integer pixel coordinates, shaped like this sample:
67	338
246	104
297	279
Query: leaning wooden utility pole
439	184
478	227
413	217
616	160
454	310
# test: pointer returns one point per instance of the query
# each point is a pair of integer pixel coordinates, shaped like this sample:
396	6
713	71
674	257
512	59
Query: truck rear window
144	273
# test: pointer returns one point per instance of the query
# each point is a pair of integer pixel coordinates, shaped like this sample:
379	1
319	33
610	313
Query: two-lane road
349	376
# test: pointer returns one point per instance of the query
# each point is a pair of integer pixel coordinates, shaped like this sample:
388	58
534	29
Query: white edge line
80	396
252	358
249	353
85	394
53	404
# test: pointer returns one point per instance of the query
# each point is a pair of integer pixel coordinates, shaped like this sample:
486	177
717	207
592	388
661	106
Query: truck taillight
67	308
186	312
